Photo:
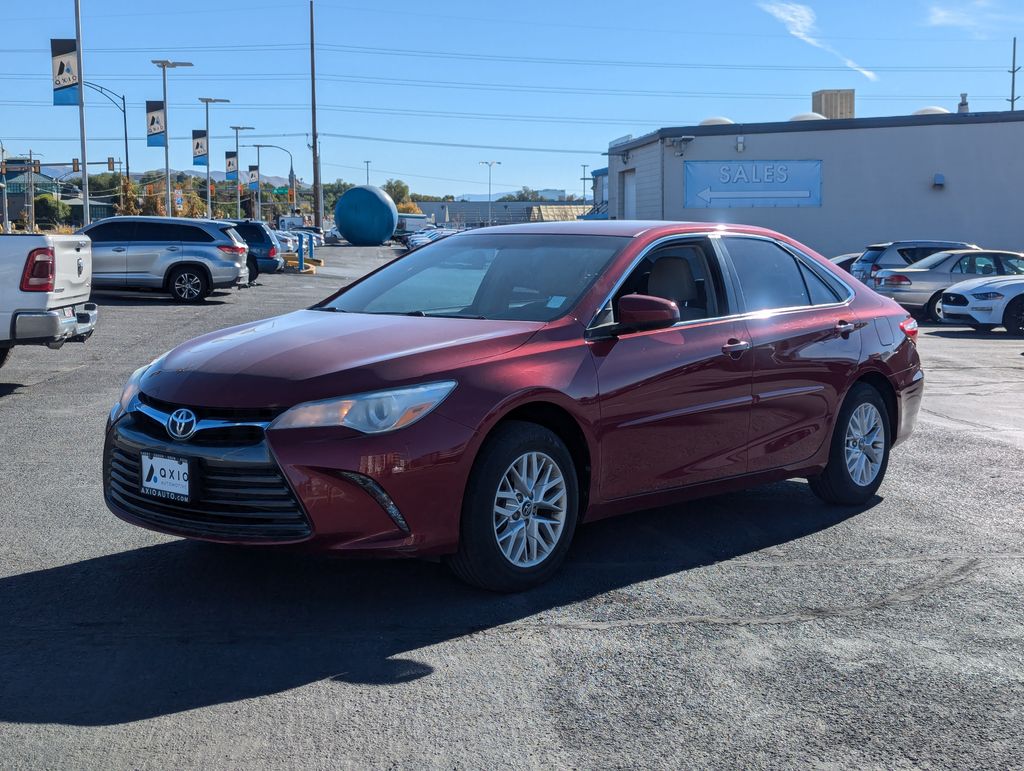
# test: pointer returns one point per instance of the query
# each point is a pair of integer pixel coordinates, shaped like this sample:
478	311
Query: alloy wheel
188	286
530	509
865	444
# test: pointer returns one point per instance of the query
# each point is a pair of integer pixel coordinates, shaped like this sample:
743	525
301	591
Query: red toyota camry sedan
480	397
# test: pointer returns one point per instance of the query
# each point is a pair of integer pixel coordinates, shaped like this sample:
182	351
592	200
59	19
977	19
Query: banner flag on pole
231	165
64	61
254	177
200	153
156	124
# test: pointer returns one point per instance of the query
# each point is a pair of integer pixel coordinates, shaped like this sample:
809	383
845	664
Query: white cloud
799	21
977	16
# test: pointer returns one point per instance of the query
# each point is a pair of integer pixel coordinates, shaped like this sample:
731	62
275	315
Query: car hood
309	355
996	283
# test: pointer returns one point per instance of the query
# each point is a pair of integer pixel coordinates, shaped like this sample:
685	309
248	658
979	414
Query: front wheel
934	308
188	284
519	512
859	454
1013	318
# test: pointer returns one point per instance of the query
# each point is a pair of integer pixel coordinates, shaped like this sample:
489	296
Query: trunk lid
72	282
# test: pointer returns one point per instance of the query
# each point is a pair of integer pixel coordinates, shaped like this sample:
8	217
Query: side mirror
638	312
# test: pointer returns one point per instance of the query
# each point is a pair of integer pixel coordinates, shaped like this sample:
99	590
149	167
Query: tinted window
977	264
495	276
193	235
1012	264
870	256
156	231
769	276
252	234
107	232
820	292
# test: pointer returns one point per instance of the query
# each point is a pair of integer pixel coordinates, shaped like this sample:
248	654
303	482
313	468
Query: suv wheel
188	284
519	512
859	453
1013	317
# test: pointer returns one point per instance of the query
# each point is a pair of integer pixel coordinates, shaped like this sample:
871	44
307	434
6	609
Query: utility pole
318	199
1014	69
584	178
490	165
3	161
81	116
207	101
367	172
32	192
259	184
164	64
238	171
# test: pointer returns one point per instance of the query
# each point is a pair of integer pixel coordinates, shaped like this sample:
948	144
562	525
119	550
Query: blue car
264	249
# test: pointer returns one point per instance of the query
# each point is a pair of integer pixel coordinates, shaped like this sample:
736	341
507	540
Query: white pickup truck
45	282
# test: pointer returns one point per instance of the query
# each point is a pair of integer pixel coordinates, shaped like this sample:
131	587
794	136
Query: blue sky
566	77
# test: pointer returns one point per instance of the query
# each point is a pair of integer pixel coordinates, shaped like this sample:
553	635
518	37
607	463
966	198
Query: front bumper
388	495
56	326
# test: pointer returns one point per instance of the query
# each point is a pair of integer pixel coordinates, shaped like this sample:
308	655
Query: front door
110	241
675	402
157	245
806	344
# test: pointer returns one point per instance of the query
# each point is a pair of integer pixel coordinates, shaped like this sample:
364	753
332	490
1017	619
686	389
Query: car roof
175	220
916	241
631	228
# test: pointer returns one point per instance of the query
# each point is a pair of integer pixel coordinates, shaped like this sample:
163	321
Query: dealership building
835	184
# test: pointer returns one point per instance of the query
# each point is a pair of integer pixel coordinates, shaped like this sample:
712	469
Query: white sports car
986	302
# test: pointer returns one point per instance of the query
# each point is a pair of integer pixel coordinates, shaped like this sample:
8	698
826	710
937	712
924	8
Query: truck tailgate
73	271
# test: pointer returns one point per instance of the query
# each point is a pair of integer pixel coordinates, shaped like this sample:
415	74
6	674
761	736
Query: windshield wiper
328	309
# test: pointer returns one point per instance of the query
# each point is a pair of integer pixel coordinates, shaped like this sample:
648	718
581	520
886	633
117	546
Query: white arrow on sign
707	195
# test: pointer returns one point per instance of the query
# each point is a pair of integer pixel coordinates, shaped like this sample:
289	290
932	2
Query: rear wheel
519	512
188	284
1013	318
859	454
935	308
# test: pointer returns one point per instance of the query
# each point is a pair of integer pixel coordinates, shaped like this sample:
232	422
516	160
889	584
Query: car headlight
131	390
987	296
371	413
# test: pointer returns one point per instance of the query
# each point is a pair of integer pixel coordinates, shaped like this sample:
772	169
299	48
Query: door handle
736	347
172	248
844	328
119	249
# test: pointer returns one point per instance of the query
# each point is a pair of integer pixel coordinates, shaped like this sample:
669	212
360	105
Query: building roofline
841	124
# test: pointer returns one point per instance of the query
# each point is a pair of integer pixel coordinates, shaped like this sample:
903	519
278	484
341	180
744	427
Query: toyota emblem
181	424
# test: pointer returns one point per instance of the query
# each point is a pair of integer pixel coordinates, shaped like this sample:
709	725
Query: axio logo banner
156	124
64	61
254	177
200	151
231	164
748	184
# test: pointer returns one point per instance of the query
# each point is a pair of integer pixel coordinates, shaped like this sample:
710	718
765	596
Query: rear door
156	246
110	242
806	345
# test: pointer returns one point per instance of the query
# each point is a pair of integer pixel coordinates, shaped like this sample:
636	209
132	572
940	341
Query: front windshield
507	276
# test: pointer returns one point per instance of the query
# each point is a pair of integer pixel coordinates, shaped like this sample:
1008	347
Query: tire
1013	317
486	535
254	268
5	354
933	308
188	284
837	484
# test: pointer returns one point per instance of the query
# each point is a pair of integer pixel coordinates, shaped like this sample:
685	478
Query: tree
193	205
397	189
50	211
153	204
333	191
430	198
526	194
409	207
130	198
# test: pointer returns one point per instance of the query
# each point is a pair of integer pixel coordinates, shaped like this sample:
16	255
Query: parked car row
427	236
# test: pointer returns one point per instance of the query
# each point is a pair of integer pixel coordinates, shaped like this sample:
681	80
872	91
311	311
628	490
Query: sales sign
747	184
64	64
199	149
156	124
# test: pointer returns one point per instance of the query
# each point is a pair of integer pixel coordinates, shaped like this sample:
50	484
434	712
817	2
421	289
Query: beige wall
876	184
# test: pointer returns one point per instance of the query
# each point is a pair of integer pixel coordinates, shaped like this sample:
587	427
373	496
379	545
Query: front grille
244	502
209	437
235	414
949	298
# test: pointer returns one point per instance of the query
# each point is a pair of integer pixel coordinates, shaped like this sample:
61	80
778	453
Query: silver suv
897	254
187	258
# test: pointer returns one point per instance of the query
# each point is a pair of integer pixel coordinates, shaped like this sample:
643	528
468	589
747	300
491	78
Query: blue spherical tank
366	216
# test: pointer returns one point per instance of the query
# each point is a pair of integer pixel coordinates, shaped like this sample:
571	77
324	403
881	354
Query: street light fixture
207	101
490	165
367	172
238	171
164	65
291	170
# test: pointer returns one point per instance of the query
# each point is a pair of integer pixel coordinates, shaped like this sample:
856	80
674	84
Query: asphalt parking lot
756	629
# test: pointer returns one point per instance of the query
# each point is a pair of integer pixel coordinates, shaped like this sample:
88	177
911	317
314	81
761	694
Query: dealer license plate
164	476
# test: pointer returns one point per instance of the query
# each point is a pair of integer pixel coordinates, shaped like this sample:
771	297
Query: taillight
909	327
236	250
273	252
875	267
896	280
39	271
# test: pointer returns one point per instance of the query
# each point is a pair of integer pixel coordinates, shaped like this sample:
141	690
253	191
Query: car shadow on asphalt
6	389
183	625
145	299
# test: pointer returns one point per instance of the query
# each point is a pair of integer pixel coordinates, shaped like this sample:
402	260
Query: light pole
584	178
238	172
490	165
318	190
124	118
7	216
207	101
291	166
164	65
367	172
